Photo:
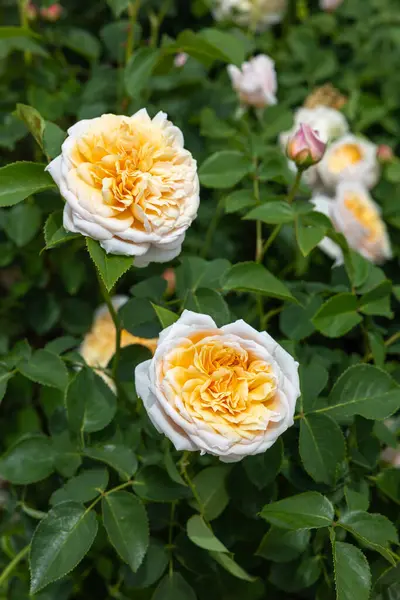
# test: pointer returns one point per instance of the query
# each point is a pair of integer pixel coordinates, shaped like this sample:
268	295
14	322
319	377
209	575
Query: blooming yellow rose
129	183
228	391
98	346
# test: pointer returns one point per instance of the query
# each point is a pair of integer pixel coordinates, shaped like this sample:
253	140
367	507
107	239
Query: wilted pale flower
255	83
129	183
305	148
355	215
257	14
228	391
330	5
350	159
98	346
51	13
181	59
325	95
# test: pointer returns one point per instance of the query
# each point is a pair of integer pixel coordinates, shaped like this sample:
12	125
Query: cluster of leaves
96	501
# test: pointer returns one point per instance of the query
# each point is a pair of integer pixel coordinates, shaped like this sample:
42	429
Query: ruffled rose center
135	169
366	215
345	156
222	384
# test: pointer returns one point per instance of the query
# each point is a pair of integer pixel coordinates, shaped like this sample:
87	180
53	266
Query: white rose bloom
324	205
350	159
129	183
255	83
98	346
228	391
258	14
329	123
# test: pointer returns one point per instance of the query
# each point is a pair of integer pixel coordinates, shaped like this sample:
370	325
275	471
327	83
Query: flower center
366	215
221	383
134	169
345	156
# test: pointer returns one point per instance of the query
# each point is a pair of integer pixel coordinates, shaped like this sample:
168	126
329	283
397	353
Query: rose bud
384	153
180	59
330	5
305	148
31	11
227	391
52	13
255	83
170	277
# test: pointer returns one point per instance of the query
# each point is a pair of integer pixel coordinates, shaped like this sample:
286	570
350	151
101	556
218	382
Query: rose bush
222	423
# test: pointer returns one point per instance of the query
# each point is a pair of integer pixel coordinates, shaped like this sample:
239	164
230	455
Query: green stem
170	536
212	227
184	464
117	323
11	566
274	234
295	187
24	21
130	43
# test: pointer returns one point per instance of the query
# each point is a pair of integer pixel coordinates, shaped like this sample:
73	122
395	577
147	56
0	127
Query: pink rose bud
31	11
385	154
330	5
52	13
305	148
180	59
170	277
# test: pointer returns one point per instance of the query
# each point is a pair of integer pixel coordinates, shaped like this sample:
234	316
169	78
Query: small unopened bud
305	148
31	11
180	59
52	13
385	153
330	5
170	277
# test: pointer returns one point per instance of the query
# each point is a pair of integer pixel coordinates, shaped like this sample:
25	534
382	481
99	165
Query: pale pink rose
385	154
52	13
180	59
305	148
330	5
255	83
228	391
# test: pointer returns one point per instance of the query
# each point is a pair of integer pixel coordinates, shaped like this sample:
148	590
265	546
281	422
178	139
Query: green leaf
29	460
45	368
119	457
165	316
172	469
322	447
152	568
296	576
364	390
173	587
358	268
337	316
53	137
224	169
231	566
212	126
84	487
5	375
60	542
110	266
22	223
373	530
118	6
7	31
139	69
281	546
357	499
208	302
310	510
272	213
238	200
91	405
388	481
230	46
54	232
22	179
377	301
308	234
139	317
201	535
262	469
352	573
33	120
125	520
153	483
82	42
210	484
253	277
295	321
